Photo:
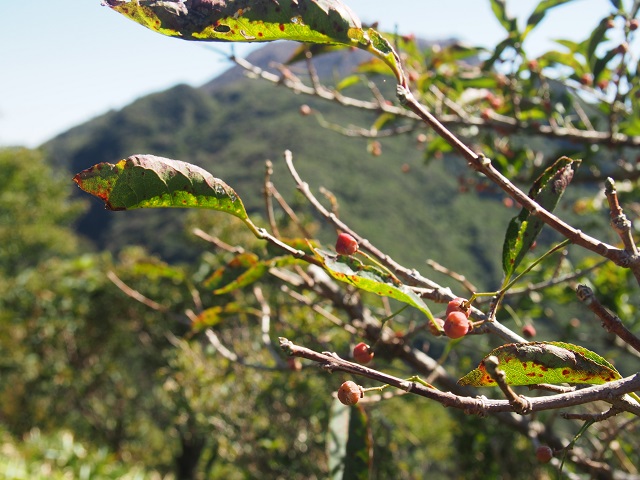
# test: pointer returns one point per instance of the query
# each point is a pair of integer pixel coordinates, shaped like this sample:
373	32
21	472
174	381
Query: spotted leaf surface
544	362
318	21
311	21
147	181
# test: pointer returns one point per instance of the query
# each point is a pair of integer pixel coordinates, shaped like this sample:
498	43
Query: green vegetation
122	361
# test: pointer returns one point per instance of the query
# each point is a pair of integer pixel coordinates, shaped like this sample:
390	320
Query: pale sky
63	62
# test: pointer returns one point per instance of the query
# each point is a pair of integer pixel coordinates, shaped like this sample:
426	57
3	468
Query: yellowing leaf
544	362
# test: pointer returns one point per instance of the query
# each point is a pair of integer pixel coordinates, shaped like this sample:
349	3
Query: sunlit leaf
147	181
214	315
371	279
317	21
232	270
256	272
311	21
542	362
525	227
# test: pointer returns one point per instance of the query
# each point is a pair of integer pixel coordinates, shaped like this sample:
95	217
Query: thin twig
608	392
610	322
454	275
136	295
217	242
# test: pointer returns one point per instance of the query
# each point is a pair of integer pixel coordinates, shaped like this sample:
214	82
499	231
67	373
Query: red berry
346	244
432	328
362	353
586	79
634	24
544	454
529	331
349	393
457	305
456	325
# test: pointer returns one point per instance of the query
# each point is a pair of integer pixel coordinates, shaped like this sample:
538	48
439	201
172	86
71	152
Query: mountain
231	125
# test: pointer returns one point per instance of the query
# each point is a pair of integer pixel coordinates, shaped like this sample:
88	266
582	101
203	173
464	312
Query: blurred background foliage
96	385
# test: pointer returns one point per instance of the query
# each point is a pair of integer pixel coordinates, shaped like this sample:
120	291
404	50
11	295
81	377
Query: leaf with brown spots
147	181
371	279
544	362
311	21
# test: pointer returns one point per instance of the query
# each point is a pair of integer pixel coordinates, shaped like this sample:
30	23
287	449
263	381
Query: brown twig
268	196
216	241
610	322
619	221
521	404
454	275
482	406
136	295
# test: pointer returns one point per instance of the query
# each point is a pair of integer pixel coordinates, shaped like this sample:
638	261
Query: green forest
173	343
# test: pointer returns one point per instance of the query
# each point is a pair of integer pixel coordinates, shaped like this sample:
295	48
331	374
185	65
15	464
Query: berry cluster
457	323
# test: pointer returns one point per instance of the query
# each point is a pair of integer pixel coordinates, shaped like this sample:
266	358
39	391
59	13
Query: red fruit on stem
544	454
349	393
634	24
457	305
362	353
528	331
432	328
456	325
346	244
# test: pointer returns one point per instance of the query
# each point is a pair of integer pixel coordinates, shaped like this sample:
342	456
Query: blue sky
66	61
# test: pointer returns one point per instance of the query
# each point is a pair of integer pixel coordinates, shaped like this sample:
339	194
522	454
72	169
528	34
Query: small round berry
457	305
346	244
610	23
432	328
349	393
622	48
544	454
305	110
362	353
456	325
634	24
528	331
586	79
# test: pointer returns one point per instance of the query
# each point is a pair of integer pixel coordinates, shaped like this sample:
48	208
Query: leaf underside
544	362
318	21
147	181
525	227
311	21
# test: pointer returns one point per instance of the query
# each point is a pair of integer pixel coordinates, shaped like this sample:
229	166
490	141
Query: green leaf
232	270
598	36
499	8
371	279
544	362
524	228
147	181
316	21
350	446
214	315
601	63
312	21
256	272
538	14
